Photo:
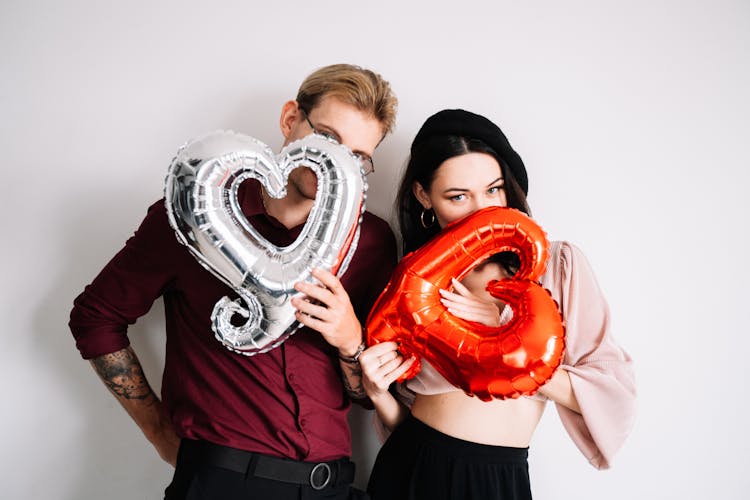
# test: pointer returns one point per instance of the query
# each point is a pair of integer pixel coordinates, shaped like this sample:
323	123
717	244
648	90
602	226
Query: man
272	425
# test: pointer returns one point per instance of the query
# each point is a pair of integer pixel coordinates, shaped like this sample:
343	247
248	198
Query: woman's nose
480	203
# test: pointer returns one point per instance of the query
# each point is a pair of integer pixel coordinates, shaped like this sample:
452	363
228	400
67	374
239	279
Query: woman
444	443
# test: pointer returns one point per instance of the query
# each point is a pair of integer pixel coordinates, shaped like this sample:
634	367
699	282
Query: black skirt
419	462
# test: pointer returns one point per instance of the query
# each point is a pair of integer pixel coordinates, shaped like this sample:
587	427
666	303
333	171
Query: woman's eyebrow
455	189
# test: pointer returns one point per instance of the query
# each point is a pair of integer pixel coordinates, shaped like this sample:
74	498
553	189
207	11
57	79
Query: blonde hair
359	87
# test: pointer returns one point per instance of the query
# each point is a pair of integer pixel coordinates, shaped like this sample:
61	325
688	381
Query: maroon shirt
288	402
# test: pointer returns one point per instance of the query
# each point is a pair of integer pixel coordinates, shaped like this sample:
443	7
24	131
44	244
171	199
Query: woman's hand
381	365
465	305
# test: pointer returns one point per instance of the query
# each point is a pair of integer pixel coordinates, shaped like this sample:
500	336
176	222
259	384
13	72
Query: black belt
317	475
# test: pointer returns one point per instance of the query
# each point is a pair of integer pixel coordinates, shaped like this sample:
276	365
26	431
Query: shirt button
303	422
291	377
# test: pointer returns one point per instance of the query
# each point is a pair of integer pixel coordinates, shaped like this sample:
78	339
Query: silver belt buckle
320	467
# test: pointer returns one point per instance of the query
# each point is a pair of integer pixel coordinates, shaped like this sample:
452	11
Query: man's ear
421	195
290	115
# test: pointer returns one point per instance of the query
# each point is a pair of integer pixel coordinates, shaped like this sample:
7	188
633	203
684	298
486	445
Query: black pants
419	462
198	477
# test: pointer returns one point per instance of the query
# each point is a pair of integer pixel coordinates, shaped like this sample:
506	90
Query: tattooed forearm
353	380
122	373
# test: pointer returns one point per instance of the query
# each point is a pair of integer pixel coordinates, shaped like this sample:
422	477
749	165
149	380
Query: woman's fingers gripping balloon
382	365
468	306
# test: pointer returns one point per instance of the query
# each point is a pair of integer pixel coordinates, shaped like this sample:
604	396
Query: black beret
460	123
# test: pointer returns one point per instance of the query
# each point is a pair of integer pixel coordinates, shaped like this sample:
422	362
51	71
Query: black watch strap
355	358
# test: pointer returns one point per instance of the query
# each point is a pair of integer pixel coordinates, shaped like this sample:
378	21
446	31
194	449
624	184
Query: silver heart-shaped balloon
201	200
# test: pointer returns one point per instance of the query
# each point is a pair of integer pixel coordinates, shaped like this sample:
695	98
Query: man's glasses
368	166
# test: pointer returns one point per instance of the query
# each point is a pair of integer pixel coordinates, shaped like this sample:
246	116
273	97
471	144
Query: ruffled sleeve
601	372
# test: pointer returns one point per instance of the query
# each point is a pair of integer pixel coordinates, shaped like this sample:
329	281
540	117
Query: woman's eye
458	197
494	189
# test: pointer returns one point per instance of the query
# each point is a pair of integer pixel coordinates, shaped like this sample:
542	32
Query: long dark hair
424	161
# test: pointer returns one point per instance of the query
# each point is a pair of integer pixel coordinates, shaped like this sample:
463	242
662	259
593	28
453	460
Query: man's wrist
352	345
354	356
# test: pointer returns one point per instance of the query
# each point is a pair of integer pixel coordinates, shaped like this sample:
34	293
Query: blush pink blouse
601	372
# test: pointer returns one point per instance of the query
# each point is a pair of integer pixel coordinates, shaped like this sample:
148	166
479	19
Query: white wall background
632	118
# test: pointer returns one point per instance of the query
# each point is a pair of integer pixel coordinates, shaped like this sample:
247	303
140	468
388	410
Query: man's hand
164	439
328	310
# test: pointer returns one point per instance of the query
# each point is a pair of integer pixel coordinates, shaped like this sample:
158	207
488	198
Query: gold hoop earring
432	218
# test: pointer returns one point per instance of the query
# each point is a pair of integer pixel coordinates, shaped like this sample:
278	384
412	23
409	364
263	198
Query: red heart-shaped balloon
489	362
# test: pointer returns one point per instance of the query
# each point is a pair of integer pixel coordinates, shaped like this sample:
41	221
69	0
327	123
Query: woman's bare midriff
499	422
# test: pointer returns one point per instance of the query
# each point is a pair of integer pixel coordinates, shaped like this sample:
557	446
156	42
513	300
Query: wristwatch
355	358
